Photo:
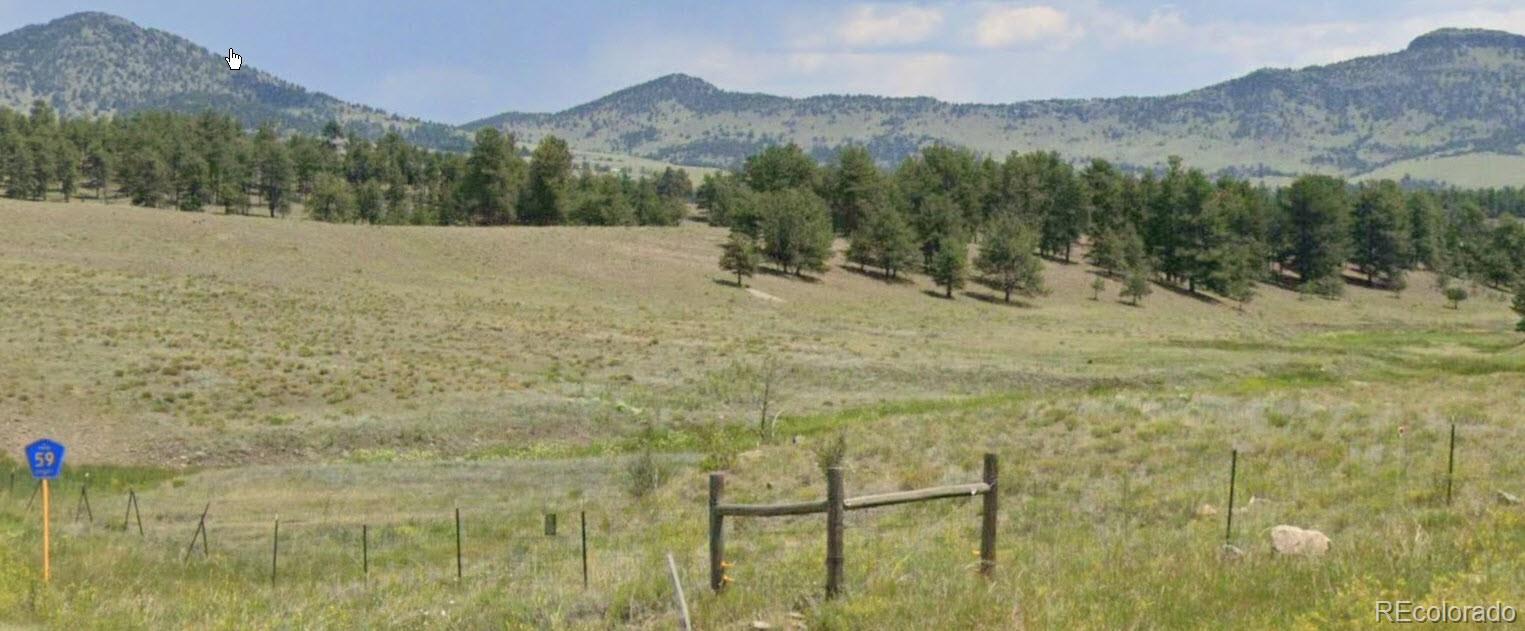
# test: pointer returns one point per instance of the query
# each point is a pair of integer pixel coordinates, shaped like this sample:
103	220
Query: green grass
343	376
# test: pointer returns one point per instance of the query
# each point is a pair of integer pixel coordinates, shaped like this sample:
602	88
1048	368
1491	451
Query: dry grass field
342	376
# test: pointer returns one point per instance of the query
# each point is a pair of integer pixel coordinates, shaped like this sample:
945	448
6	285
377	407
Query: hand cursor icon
235	61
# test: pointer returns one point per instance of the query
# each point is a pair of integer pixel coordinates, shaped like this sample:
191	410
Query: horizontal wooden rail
770	510
901	497
854	503
835	506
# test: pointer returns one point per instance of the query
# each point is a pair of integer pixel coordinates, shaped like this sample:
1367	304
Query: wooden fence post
128	514
717	533
1233	472
201	532
275	549
992	512
582	517
460	571
365	550
836	509
1451	465
84	501
550	524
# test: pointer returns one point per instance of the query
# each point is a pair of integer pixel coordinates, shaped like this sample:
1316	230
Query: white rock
1508	498
1294	541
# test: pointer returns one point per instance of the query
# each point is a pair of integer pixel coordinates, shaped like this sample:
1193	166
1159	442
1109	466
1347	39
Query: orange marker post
46	459
46	564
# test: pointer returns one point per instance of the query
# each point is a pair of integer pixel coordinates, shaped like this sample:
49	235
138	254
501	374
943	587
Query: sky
458	60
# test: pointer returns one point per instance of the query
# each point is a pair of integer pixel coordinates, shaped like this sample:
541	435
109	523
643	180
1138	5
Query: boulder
1294	541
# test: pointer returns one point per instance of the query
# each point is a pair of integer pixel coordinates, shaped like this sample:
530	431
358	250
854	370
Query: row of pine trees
193	162
1177	225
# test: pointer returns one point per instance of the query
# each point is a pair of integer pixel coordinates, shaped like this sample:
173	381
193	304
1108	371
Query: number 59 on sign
46	459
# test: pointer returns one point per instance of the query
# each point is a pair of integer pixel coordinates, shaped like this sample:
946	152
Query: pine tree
1202	220
856	189
18	169
779	168
883	239
492	181
98	169
739	256
43	152
276	176
369	202
331	199
545	195
1136	283
1107	249
1318	232
1006	258
950	266
796	230
191	188
67	169
146	178
1380	233
1518	305
1236	269
1425	230
936	219
1456	295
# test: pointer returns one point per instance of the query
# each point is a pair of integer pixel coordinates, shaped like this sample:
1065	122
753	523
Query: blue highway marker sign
46	458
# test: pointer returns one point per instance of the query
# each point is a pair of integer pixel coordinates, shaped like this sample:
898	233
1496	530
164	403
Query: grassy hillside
341	375
1450	92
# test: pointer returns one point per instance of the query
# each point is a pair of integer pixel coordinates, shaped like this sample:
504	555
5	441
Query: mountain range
1450	107
148	69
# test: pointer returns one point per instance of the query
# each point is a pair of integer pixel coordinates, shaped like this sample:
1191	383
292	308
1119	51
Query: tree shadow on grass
1182	291
1058	259
936	293
773	271
879	276
728	282
998	300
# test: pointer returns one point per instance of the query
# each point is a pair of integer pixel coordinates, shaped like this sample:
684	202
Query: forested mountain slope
89	64
1451	92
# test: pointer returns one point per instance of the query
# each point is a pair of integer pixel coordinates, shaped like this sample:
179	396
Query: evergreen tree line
191	162
1175	226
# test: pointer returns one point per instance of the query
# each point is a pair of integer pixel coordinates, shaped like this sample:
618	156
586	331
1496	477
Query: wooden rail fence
836	505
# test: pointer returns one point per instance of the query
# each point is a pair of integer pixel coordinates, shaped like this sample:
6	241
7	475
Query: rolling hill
153	70
1450	93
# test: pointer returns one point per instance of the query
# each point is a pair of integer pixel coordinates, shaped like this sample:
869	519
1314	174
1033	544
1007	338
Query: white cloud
1162	25
1003	26
887	74
883	26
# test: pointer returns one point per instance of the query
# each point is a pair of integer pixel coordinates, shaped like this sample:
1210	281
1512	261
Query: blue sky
457	60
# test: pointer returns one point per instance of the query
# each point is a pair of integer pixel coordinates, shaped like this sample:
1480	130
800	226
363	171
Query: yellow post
46	568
